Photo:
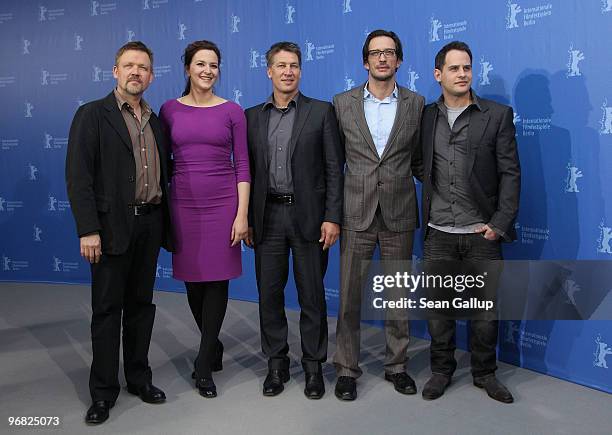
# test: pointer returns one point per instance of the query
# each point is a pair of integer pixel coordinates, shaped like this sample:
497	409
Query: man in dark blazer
296	204
471	186
117	177
379	126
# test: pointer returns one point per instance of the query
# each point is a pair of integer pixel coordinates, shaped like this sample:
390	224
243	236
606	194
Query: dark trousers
280	236
441	250
123	284
208	303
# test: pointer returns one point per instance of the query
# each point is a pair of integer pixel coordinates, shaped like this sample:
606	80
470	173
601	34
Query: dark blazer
317	162
494	171
387	180
101	174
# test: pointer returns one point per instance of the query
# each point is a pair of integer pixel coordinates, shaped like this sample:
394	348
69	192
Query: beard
134	88
383	77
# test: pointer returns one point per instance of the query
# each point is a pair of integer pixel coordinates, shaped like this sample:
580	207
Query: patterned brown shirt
146	156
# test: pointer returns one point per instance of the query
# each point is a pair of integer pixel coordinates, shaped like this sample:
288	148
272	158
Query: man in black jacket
471	185
117	177
296	204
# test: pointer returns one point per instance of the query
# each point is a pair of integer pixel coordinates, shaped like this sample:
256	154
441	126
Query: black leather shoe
217	364
148	393
495	389
346	388
402	382
206	388
315	387
435	386
98	412
273	384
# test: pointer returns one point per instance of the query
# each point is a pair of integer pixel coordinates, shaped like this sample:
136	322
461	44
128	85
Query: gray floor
45	354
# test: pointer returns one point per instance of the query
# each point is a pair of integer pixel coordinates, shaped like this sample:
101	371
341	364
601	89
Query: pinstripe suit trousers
356	249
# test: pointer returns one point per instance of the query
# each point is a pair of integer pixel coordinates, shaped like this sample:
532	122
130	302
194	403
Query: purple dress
209	145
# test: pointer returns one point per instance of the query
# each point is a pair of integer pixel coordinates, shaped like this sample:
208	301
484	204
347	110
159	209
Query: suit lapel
160	142
157	133
264	118
429	130
401	114
478	124
116	120
362	124
303	109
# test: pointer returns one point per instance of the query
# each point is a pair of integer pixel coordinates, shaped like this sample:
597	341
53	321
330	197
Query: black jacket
493	167
317	162
101	174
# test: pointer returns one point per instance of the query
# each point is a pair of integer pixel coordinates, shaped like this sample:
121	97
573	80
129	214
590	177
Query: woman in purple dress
209	199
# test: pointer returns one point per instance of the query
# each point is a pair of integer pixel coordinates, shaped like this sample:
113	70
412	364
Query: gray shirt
280	127
451	204
453	114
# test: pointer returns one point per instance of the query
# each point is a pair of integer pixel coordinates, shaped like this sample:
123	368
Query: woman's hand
239	229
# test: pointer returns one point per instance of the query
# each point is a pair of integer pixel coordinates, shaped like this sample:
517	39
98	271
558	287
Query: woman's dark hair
191	50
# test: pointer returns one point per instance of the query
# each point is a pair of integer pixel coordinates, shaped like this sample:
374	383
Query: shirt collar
121	103
368	96
473	97
270	102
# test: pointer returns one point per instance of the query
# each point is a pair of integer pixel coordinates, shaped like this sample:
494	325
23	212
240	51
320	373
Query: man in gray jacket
379	125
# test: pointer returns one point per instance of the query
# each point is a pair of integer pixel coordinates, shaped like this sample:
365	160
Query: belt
142	209
286	198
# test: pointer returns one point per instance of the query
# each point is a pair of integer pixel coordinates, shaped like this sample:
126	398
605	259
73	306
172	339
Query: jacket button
380	183
132	178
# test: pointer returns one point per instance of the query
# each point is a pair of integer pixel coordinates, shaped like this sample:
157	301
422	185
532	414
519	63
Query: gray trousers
356	249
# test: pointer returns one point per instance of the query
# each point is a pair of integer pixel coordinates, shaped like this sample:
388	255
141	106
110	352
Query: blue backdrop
549	59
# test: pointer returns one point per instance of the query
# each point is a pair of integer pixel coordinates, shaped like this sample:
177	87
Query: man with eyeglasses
296	205
379	126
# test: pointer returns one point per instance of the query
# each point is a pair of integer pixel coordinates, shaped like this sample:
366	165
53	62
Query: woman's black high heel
217	364
206	388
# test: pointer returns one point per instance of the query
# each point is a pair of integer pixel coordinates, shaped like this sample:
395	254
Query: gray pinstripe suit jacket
387	180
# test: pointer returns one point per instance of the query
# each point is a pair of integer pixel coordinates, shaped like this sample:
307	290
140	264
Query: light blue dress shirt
380	115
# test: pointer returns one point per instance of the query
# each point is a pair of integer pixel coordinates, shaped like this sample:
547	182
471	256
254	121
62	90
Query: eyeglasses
388	52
